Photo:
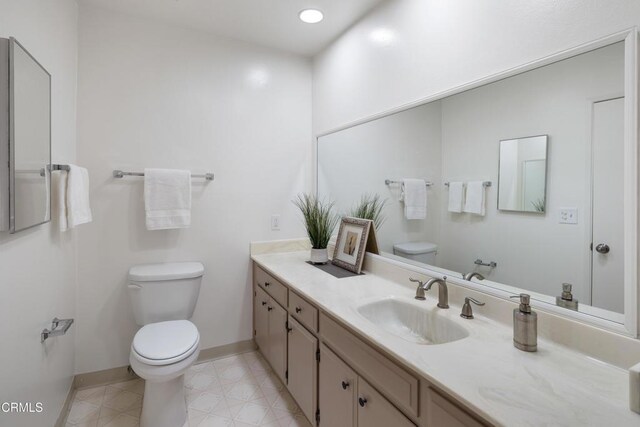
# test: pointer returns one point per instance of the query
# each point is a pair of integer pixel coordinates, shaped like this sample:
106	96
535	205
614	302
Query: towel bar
393	181
121	174
486	184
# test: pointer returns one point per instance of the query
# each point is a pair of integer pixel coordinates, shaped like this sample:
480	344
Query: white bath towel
474	199
167	198
456	196
74	207
415	198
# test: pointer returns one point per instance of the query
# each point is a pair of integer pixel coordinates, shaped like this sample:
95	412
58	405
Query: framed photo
351	243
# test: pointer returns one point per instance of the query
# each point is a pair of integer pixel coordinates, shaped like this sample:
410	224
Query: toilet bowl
164	297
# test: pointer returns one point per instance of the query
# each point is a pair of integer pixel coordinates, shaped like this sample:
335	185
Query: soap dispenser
525	325
566	300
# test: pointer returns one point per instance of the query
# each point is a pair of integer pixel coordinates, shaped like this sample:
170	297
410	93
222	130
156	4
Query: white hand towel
167	198
474	200
415	198
73	198
456	196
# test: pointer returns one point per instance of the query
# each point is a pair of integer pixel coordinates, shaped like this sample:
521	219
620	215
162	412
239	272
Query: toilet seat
164	343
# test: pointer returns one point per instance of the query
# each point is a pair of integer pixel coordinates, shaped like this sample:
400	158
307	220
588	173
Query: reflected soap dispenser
525	325
566	300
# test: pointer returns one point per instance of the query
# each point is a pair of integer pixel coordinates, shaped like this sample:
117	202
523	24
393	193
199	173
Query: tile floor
235	391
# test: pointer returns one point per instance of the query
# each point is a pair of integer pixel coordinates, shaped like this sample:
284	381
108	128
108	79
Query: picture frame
351	243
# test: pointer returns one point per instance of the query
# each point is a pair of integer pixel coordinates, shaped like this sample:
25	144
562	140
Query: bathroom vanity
361	351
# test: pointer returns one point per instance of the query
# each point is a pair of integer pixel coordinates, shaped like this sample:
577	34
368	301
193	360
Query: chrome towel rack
121	174
395	181
485	183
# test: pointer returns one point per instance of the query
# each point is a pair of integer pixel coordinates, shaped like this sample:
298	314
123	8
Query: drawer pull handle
298	309
267	284
269	308
362	401
345	385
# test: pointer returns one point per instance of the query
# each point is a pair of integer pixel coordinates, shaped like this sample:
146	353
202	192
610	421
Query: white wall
406	50
357	161
152	95
37	267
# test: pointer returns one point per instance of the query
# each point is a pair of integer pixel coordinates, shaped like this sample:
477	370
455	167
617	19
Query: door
277	338
302	380
261	319
607	290
336	392
376	411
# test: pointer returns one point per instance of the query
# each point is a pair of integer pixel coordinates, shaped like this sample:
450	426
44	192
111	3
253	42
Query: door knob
603	248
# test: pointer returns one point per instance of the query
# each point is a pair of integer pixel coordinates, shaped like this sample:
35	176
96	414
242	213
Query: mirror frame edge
12	219
629	36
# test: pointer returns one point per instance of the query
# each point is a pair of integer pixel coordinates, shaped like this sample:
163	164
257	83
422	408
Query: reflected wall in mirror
522	177
27	139
570	189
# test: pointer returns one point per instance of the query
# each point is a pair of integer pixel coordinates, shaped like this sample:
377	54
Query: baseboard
122	373
64	412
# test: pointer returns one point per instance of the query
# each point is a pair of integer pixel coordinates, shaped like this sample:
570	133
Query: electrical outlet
275	222
568	215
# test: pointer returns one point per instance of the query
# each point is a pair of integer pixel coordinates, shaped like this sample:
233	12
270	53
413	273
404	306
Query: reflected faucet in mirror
469	276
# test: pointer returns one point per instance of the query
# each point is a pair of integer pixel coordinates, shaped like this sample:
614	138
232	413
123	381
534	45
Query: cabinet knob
289	329
264	303
345	385
269	308
298	309
362	401
267	284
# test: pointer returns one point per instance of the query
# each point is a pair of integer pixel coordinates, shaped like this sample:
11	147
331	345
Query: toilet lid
415	248
165	340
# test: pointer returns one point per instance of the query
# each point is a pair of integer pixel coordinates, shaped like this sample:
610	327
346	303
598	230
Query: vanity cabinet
261	319
302	378
270	331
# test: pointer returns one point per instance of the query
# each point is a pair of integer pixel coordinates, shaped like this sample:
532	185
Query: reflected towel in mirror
415	198
474	198
456	196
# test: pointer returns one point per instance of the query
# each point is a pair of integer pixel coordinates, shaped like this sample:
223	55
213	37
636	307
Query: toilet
424	252
163	297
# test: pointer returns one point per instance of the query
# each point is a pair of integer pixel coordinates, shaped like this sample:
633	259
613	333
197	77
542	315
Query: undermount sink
421	325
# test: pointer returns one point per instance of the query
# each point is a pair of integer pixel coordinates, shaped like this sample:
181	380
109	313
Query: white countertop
553	386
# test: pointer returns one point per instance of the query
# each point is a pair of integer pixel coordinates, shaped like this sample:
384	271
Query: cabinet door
444	413
261	320
277	354
302	380
376	411
336	392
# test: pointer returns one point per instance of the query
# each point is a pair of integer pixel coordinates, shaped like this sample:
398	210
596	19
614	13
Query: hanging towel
73	198
456	196
167	198
474	199
415	198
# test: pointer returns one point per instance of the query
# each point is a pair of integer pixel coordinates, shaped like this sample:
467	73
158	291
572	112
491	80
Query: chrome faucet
469	276
443	292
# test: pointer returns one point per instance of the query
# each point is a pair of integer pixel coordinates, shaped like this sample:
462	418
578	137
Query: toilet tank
424	252
166	291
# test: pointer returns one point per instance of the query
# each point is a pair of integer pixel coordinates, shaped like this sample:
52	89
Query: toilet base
164	404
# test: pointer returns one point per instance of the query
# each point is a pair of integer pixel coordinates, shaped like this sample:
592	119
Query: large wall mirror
551	147
25	139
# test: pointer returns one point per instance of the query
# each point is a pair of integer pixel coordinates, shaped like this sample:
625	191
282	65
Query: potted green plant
370	207
320	221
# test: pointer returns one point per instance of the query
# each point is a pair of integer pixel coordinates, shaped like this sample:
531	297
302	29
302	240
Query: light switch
275	222
568	215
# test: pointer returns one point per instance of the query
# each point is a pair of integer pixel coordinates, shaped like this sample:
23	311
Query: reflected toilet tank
424	252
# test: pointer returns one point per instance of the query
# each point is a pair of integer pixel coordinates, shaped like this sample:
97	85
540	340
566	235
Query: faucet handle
467	311
419	290
419	282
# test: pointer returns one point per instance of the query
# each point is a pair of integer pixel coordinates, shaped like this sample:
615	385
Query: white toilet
163	297
424	252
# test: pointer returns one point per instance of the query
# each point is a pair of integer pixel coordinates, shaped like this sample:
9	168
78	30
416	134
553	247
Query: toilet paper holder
58	327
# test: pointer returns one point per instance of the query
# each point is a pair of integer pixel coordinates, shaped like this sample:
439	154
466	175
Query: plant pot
319	256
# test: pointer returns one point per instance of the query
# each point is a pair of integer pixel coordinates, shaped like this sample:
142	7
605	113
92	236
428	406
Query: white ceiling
271	23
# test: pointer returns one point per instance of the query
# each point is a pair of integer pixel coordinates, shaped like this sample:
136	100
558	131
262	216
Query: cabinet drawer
394	382
274	288
441	412
376	411
304	312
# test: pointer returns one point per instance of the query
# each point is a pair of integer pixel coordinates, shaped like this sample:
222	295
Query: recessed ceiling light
311	16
